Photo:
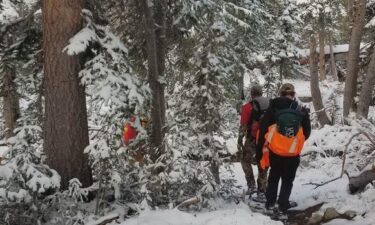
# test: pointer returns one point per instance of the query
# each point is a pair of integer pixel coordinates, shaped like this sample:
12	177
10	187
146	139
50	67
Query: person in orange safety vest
129	134
284	128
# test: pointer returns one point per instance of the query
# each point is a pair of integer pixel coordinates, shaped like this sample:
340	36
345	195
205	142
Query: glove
265	161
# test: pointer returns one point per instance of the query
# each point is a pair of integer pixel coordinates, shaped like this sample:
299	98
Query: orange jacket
129	132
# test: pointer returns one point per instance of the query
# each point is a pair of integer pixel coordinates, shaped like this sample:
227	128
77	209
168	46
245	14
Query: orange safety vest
282	145
129	132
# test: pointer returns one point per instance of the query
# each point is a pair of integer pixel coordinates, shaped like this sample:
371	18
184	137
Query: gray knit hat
286	87
256	90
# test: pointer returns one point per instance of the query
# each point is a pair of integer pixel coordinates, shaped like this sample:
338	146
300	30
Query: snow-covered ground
228	215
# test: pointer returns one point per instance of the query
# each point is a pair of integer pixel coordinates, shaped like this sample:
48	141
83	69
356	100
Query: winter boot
259	197
251	190
285	208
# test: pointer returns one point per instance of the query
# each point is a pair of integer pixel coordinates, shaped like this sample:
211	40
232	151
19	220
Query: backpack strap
256	104
270	134
296	107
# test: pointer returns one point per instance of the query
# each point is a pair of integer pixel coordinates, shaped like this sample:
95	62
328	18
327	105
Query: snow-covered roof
336	49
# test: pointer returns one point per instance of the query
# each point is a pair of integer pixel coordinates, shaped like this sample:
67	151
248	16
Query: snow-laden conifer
115	94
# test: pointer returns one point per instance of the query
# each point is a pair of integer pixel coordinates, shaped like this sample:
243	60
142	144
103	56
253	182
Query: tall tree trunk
65	125
39	103
161	36
367	89
332	59
322	56
158	102
359	11
314	84
11	111
349	18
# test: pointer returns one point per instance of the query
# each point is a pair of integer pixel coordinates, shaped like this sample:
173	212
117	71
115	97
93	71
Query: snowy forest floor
321	169
321	161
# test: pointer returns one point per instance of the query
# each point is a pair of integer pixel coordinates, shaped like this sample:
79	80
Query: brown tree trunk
154	72
11	111
160	20
322	56
314	84
359	11
332	59
367	89
65	125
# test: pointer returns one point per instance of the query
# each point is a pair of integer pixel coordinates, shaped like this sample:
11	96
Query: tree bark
359	11
11	110
314	84
332	59
65	124
154	62
367	89
322	56
161	36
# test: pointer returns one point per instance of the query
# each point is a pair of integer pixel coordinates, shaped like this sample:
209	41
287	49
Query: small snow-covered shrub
333	141
24	179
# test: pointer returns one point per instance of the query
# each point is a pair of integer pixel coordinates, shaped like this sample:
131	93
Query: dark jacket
269	119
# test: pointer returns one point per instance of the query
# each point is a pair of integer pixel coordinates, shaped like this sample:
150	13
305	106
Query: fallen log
359	182
105	219
302	216
188	202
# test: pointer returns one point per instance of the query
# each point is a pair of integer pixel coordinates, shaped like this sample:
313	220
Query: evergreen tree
116	94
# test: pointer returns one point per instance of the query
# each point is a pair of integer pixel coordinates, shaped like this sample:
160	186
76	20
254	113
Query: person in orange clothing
283	130
251	113
129	134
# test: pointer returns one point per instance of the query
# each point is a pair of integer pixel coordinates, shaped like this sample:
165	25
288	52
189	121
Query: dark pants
284	168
